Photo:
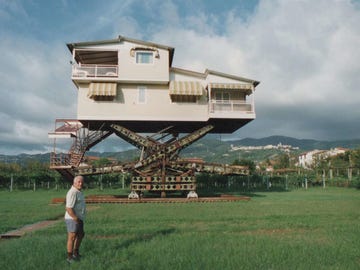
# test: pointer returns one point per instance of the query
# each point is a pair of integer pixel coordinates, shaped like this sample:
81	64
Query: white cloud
305	53
35	90
293	42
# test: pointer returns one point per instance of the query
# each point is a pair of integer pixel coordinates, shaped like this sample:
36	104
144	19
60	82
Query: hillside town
305	160
279	146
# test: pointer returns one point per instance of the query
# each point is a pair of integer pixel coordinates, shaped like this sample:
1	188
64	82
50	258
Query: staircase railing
81	145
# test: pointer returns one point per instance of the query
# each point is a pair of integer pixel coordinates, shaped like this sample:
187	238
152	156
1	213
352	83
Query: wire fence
204	182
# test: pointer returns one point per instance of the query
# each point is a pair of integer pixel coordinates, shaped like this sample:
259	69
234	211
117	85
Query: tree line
35	174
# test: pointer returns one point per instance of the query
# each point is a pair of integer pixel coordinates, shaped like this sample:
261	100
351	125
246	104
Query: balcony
226	108
94	71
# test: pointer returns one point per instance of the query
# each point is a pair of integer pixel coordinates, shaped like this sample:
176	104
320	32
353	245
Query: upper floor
122	59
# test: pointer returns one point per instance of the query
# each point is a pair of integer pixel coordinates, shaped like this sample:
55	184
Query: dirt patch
104	236
29	228
37	226
58	201
273	231
92	207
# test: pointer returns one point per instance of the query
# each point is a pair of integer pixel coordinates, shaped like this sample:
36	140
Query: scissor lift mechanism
159	168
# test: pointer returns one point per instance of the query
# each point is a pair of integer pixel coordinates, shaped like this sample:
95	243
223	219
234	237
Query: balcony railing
230	106
59	160
94	71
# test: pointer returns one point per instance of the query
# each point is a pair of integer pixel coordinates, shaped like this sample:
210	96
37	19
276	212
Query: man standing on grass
74	218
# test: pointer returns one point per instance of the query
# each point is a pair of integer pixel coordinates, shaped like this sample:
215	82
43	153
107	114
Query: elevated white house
127	87
133	83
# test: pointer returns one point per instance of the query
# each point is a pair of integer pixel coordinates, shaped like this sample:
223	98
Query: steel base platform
94	199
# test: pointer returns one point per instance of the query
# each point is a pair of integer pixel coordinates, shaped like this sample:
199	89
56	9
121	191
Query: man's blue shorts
74	227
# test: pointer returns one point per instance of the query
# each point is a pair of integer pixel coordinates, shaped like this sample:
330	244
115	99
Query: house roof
188	72
109	55
217	73
120	39
213	72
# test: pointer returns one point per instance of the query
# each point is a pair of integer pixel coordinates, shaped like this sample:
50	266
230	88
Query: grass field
302	229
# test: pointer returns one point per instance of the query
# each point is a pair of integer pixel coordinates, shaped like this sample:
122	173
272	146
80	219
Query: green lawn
19	208
301	229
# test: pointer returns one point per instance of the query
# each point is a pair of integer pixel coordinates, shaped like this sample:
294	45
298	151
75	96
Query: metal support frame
153	171
159	168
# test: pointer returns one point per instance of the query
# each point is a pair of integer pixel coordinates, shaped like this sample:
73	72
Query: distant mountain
23	159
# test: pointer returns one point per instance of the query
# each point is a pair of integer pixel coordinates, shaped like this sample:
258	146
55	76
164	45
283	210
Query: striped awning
248	88
188	88
102	89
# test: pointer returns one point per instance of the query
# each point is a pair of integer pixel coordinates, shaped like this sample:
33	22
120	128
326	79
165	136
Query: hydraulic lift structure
159	167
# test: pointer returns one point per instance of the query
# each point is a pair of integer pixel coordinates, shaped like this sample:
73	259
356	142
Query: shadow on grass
221	194
251	192
248	192
201	193
144	238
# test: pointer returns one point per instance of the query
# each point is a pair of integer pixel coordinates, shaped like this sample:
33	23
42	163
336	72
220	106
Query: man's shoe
70	260
76	257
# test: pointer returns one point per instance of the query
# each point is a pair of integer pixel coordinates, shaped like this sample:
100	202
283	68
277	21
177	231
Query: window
144	57
184	99
222	97
222	101
141	95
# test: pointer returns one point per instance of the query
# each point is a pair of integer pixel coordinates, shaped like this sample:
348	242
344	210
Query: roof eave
253	82
73	45
188	72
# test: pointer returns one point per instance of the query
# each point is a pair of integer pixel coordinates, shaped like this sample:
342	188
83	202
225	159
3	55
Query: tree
354	157
246	162
283	161
101	162
37	172
7	171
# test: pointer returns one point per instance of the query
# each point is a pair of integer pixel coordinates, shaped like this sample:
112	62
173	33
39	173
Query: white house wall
174	76
158	106
129	70
155	77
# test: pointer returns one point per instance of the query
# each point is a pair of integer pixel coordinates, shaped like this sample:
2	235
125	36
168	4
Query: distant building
306	160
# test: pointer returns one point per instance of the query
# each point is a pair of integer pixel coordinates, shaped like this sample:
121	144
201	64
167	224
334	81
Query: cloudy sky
305	53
